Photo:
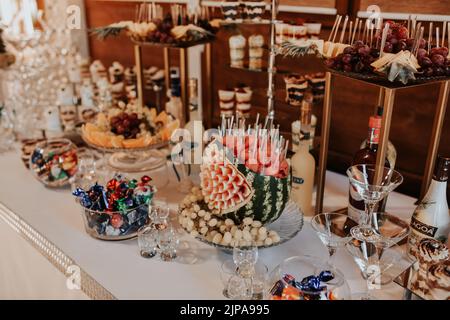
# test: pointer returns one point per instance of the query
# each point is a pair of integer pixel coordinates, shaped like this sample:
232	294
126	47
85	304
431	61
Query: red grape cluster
355	58
162	34
436	63
126	124
397	38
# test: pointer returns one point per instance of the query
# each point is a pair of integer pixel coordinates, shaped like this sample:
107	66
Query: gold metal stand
139	75
386	98
208	106
184	74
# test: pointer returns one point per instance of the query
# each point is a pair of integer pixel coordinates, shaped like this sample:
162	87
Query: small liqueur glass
168	242
363	181
147	241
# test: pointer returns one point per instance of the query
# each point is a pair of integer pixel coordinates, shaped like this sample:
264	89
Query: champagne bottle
431	218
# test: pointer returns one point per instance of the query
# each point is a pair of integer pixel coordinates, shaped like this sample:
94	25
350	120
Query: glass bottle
431	218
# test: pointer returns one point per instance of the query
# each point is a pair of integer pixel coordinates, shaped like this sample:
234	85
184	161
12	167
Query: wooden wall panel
409	6
310	3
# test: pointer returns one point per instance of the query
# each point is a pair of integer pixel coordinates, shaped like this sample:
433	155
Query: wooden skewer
383	38
448	34
337	29
344	28
352	40
364	32
437	37
409	25
359	29
444	27
422	29
430	36
350	31
413	26
334	27
371	35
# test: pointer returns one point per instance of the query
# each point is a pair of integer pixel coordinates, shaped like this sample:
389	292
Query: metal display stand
386	99
184	72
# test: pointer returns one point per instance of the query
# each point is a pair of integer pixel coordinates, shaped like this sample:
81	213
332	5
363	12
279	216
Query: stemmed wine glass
372	189
333	230
379	262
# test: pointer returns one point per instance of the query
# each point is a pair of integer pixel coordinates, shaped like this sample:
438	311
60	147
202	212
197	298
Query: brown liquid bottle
367	155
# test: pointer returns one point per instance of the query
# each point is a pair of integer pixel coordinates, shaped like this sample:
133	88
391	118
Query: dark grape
401	45
330	63
421	53
438	60
364	50
347	59
358	44
426	62
349	50
348	68
388	47
428	72
438	71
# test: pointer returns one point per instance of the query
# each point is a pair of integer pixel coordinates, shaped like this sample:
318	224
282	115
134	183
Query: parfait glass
333	229
379	262
372	190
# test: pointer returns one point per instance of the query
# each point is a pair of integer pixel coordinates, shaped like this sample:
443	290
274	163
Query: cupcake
116	73
280	30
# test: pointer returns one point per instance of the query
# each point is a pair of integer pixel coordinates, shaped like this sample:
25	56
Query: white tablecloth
117	266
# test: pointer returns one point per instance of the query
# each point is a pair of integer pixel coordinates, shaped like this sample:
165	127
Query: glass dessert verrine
371	189
333	230
379	263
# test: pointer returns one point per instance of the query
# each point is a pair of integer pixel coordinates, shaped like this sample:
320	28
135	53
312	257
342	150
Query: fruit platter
133	134
129	128
152	27
244	190
393	52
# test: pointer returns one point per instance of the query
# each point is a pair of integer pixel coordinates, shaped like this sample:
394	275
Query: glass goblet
333	230
379	263
372	185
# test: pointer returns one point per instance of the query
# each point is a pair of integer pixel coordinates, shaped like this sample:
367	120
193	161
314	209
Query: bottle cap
441	169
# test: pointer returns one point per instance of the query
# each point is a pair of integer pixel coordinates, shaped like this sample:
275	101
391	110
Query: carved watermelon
237	191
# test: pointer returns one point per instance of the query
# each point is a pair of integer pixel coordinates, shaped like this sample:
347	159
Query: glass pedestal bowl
290	279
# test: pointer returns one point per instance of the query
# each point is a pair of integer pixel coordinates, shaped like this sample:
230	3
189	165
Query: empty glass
148	242
333	230
372	190
168	242
379	263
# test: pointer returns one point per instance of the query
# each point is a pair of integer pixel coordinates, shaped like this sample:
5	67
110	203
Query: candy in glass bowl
116	211
54	162
306	278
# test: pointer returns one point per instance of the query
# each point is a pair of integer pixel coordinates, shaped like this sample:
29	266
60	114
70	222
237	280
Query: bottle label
423	228
297	180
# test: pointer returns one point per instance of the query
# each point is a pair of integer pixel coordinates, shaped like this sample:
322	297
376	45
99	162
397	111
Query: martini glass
333	230
379	263
372	188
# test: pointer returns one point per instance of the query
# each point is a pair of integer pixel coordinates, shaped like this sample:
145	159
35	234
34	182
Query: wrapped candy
117	209
309	288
